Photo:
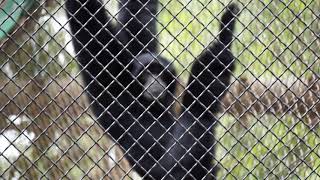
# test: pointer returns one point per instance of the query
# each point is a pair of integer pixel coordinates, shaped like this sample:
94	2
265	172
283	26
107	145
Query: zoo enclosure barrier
267	124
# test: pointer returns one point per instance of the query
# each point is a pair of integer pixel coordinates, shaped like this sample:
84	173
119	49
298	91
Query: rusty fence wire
74	106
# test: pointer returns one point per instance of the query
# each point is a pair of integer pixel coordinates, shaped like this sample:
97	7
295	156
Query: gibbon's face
154	86
155	76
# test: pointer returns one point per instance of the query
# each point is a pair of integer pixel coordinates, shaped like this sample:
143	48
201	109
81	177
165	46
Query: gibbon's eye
154	87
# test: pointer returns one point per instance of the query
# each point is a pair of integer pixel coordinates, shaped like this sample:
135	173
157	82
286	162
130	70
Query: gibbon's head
156	77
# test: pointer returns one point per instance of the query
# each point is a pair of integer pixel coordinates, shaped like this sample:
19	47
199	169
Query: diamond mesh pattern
267	119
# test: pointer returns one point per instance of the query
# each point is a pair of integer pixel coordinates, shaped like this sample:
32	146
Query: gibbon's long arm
211	72
193	141
101	57
104	65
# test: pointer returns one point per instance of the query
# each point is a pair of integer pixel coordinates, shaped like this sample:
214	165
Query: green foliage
274	38
273	148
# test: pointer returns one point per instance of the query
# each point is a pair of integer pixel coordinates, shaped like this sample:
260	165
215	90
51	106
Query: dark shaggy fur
121	70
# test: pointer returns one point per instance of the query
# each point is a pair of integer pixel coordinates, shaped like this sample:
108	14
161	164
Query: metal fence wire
159	89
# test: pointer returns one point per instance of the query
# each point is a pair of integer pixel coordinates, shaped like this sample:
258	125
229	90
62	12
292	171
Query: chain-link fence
168	89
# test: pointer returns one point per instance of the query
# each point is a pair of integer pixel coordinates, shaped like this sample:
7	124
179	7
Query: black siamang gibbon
131	88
